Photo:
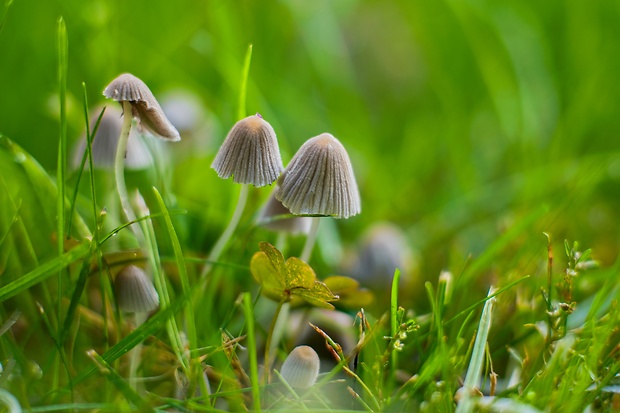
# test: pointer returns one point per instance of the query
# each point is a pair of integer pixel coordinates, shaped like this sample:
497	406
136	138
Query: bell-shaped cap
105	142
144	106
276	217
301	367
319	180
134	291
250	153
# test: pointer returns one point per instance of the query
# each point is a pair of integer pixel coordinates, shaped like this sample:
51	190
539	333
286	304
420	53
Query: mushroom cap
250	153
105	143
319	180
301	367
144	106
272	217
134	291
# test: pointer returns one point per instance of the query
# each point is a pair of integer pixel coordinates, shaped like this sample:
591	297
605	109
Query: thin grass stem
248	311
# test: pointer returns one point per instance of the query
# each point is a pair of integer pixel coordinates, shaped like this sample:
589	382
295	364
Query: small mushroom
301	367
319	180
250	153
144	106
134	291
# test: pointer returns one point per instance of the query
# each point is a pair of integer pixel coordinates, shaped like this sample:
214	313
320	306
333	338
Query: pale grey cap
134	291
274	217
144	106
105	143
301	367
250	153
319	180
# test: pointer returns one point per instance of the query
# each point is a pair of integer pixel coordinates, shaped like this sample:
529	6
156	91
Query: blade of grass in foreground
249	317
472	378
44	271
62	145
180	261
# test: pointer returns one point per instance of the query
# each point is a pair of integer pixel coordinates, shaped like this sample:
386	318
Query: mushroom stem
310	240
119	165
219	246
135	354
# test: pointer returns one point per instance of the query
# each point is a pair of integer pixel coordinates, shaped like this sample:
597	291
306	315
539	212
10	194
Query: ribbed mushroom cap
144	106
272	217
134	291
250	153
301	367
105	142
319	180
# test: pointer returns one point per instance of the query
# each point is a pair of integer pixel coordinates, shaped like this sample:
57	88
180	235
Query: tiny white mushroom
301	367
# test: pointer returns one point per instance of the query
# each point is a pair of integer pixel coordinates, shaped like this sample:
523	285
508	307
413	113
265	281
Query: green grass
485	131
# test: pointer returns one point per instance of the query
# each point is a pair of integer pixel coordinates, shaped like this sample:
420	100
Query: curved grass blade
44	271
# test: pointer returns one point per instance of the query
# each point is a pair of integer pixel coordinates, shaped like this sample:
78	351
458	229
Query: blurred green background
462	118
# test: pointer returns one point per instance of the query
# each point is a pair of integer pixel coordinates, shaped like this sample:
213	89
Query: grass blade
44	271
474	370
62	147
245	71
249	318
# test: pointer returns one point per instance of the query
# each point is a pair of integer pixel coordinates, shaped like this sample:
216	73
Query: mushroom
319	181
144	106
250	153
136	98
301	367
134	291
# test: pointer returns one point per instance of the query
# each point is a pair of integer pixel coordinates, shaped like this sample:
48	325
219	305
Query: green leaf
318	296
349	291
298	274
285	280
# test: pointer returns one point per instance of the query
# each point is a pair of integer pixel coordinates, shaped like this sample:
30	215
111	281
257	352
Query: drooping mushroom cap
250	153
273	217
134	291
301	367
144	106
105	142
319	180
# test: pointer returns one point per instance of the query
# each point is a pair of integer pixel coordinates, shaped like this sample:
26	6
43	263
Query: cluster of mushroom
319	180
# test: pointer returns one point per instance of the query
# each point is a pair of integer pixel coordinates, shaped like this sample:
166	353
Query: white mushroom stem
135	354
310	240
219	246
119	165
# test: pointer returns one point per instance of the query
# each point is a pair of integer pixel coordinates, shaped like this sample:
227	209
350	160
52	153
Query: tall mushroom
250	154
136	99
